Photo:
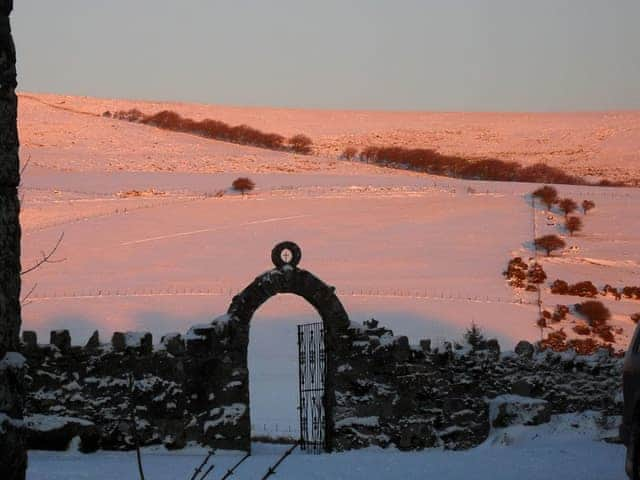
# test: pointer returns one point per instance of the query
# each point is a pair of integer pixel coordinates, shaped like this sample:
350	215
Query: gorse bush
567	205
549	243
573	224
588	205
594	311
431	161
349	153
243	184
300	144
217	130
547	195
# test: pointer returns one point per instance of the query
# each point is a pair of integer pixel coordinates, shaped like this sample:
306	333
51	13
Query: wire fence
169	291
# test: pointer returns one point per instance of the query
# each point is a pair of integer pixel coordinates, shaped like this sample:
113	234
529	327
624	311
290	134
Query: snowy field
424	255
568	448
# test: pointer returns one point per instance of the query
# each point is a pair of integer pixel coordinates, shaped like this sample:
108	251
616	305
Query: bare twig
24	301
199	468
272	469
233	469
24	167
205	474
46	257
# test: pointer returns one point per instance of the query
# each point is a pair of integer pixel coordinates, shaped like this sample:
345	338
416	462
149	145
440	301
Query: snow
12	360
568	448
358	421
228	414
45	423
134	339
421	254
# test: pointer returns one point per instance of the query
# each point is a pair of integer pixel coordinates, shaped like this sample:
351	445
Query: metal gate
312	374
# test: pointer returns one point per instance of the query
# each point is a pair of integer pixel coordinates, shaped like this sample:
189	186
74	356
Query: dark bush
604	332
300	144
349	153
583	289
635	317
516	272
582	329
536	274
214	129
594	311
608	289
549	243
560	287
573	224
430	161
567	205
588	205
547	195
560	313
243	184
631	292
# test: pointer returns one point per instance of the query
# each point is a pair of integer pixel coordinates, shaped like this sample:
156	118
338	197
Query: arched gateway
317	355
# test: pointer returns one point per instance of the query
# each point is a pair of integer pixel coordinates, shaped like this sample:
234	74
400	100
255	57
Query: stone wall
173	391
387	392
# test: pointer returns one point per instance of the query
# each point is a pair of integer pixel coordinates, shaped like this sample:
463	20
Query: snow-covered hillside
422	254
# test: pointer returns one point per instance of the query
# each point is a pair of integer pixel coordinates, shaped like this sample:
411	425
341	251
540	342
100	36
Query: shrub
243	184
635	317
549	243
582	329
567	205
560	287
536	274
242	134
133	115
300	144
547	195
349	153
107	114
631	292
560	313
594	311
516	272
583	289
555	341
608	289
584	346
542	322
431	161
588	205
573	224
604	332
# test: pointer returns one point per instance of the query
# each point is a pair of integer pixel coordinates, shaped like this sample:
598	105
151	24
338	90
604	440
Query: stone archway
286	277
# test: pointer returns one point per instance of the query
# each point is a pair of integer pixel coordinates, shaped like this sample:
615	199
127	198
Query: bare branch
24	301
46	257
24	167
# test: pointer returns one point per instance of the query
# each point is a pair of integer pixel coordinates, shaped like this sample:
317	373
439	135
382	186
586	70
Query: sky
443	55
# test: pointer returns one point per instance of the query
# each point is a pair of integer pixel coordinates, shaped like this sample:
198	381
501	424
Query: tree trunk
13	457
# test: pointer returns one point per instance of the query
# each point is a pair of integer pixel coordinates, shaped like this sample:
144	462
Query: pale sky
515	55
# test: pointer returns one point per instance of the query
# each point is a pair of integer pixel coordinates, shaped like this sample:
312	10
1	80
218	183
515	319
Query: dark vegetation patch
217	130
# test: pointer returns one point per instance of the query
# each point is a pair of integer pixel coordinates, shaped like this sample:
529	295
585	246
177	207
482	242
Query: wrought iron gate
312	374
